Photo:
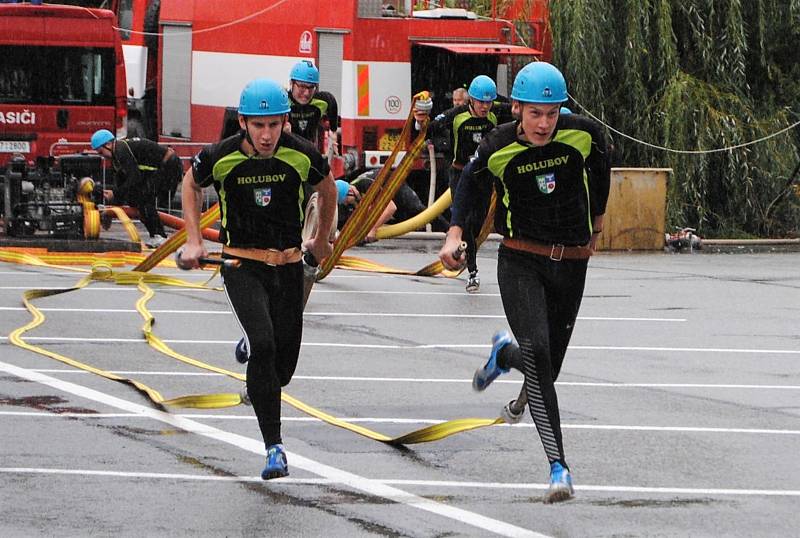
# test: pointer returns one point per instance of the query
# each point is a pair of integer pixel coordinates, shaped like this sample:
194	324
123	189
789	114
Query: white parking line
316	290
423	346
464	381
329	314
360	483
417	421
693	492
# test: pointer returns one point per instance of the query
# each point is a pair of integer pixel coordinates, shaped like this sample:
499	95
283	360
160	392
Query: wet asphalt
679	396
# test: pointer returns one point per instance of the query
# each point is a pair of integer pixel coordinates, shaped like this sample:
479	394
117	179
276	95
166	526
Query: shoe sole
274	474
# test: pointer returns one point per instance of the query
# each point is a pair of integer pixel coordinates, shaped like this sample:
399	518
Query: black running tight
541	298
267	301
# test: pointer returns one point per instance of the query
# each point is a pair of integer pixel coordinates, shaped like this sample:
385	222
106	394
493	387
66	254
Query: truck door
330	62
176	88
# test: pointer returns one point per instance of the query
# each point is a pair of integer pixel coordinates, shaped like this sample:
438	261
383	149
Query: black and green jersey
466	130
305	119
260	199
546	193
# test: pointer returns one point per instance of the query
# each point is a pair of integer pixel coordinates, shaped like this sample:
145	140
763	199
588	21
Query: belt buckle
267	256
553	252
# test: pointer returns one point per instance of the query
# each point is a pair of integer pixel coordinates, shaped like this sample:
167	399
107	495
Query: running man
468	124
310	108
552	179
460	97
258	174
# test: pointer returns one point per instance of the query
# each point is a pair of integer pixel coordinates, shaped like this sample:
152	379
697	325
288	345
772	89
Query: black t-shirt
134	159
306	119
466	130
547	193
260	199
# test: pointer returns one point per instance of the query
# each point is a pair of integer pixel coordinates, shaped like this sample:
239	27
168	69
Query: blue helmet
565	111
539	82
342	188
304	71
482	88
263	97
101	138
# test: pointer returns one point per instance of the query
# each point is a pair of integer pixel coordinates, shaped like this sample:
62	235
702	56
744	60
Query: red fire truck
62	76
532	18
372	55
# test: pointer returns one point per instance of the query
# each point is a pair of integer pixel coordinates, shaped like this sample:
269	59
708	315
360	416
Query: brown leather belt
457	166
554	252
269	256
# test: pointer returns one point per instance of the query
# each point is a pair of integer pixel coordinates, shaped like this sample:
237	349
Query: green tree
694	75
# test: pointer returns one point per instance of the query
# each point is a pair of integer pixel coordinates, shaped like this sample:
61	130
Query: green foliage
695	75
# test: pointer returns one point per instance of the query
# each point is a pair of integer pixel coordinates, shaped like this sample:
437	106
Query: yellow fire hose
435	268
372	204
417	221
123	217
377	197
103	272
176	240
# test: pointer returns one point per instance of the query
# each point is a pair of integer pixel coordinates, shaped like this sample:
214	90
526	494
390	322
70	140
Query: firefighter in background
258	174
460	96
147	175
405	204
311	109
348	197
552	178
468	124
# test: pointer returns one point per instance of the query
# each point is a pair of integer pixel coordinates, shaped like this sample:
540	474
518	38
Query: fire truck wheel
91	223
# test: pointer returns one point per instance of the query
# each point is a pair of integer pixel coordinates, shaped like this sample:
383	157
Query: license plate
14	146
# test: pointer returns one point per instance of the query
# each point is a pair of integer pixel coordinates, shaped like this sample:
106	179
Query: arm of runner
191	197
598	167
597	229
452	242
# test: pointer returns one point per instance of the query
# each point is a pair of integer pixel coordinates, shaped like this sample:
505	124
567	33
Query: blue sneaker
560	484
242	355
484	376
276	463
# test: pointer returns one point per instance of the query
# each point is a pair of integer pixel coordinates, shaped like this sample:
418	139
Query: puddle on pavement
654	503
52	404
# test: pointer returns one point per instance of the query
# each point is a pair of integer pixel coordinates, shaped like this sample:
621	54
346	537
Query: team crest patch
263	196
546	182
303	124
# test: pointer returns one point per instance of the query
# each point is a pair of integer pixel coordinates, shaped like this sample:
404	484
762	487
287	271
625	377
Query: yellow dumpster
636	209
